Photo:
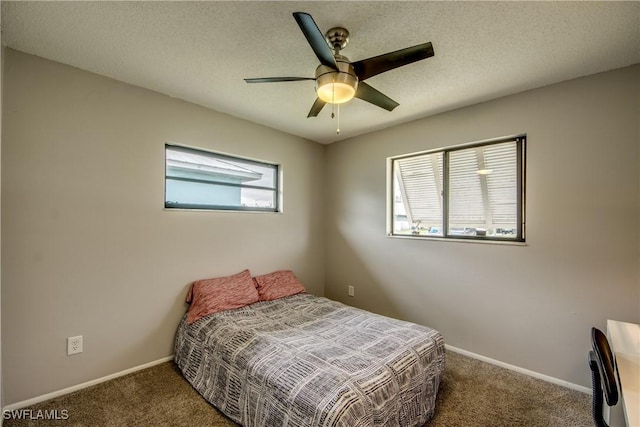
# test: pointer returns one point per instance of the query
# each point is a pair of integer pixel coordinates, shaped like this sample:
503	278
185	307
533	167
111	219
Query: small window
470	192
196	179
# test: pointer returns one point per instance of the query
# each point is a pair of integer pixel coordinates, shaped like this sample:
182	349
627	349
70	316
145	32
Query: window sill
220	210
450	239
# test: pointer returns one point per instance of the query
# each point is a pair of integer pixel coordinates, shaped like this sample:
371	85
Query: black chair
603	377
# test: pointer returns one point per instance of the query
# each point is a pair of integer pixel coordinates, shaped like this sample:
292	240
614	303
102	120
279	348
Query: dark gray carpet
472	393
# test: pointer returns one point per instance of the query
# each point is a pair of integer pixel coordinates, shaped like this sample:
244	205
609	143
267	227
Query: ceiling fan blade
277	79
316	39
379	64
369	94
316	107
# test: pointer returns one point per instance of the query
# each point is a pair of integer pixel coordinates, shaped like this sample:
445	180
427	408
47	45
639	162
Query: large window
468	192
196	179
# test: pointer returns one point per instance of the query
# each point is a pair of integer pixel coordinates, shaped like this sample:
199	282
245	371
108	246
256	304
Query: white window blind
483	187
420	184
466	207
502	183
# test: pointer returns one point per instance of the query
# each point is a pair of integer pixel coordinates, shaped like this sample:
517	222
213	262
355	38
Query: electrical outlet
74	345
351	291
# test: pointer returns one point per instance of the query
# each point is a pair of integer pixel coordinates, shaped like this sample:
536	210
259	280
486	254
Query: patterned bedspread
310	361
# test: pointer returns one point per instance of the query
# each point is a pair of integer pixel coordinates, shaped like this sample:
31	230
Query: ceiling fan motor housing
336	87
337	37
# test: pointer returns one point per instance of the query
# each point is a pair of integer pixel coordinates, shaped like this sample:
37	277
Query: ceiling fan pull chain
333	97
335	109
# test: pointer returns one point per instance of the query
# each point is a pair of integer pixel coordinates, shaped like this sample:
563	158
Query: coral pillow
221	293
277	285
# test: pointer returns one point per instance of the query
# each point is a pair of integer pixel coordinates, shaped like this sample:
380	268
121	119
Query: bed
278	356
303	360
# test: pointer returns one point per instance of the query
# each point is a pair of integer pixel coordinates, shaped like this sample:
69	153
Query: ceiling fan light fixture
337	92
336	86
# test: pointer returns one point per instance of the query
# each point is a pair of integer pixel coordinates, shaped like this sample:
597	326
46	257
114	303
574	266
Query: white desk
624	339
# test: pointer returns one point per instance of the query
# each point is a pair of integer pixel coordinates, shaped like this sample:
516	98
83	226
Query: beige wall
531	306
87	248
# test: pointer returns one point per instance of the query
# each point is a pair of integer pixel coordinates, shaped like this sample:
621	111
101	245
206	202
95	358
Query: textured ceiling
201	51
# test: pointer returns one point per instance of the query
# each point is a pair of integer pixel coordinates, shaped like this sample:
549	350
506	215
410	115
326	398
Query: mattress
305	360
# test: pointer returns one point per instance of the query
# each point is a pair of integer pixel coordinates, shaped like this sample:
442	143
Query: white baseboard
38	399
42	398
533	374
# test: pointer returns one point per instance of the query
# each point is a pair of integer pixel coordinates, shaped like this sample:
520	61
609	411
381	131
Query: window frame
277	189
520	238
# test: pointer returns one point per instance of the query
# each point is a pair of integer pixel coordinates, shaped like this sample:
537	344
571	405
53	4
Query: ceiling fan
337	79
